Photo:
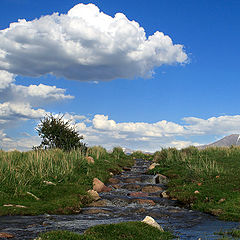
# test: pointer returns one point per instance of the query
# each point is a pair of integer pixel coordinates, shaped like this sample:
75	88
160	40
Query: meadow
56	182
207	180
53	181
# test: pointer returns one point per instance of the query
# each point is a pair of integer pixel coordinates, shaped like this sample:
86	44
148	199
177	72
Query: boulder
140	210
145	201
153	165
132	180
99	186
126	168
94	195
100	203
90	160
150	221
164	194
116	186
120	202
106	189
113	180
216	212
151	189
138	194
6	235
132	187
175	210
160	179
95	211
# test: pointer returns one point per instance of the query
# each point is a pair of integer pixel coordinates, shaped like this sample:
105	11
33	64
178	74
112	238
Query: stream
134	195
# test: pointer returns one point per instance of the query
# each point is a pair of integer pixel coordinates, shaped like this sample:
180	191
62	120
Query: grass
119	231
230	234
22	173
207	180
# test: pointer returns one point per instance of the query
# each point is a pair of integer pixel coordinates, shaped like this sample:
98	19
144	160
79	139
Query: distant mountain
231	140
127	151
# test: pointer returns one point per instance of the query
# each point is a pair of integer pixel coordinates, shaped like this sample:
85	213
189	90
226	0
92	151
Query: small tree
57	133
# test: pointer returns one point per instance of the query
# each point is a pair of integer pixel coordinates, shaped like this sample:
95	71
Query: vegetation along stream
134	195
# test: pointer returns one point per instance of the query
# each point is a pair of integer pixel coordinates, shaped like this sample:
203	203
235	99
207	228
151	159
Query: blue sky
191	98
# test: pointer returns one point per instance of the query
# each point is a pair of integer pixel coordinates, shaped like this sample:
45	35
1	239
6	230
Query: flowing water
134	195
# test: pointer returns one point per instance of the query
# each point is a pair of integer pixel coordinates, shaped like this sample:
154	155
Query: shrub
58	133
117	152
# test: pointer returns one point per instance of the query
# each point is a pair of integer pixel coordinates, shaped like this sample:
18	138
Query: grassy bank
25	177
120	231
230	234
206	180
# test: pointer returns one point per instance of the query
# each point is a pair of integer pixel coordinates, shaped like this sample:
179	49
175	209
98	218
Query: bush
117	152
57	133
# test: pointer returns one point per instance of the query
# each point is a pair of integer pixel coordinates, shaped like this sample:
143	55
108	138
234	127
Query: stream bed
134	195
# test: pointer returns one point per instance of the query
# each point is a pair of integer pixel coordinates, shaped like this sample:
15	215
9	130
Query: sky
142	74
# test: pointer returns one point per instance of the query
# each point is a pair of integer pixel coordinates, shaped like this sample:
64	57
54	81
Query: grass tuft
119	231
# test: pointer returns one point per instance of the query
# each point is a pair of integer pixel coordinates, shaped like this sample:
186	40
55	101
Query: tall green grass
97	152
20	170
70	173
198	162
206	180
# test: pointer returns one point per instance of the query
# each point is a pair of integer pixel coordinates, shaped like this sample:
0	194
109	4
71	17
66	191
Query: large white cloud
19	102
35	95
101	130
85	44
19	111
222	125
158	129
154	136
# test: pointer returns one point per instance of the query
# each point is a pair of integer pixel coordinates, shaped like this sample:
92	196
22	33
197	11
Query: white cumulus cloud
85	44
100	130
158	129
222	125
20	103
36	95
6	79
19	111
21	144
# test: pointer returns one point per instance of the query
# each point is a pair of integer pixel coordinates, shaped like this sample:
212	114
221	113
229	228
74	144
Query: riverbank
53	181
134	196
205	180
